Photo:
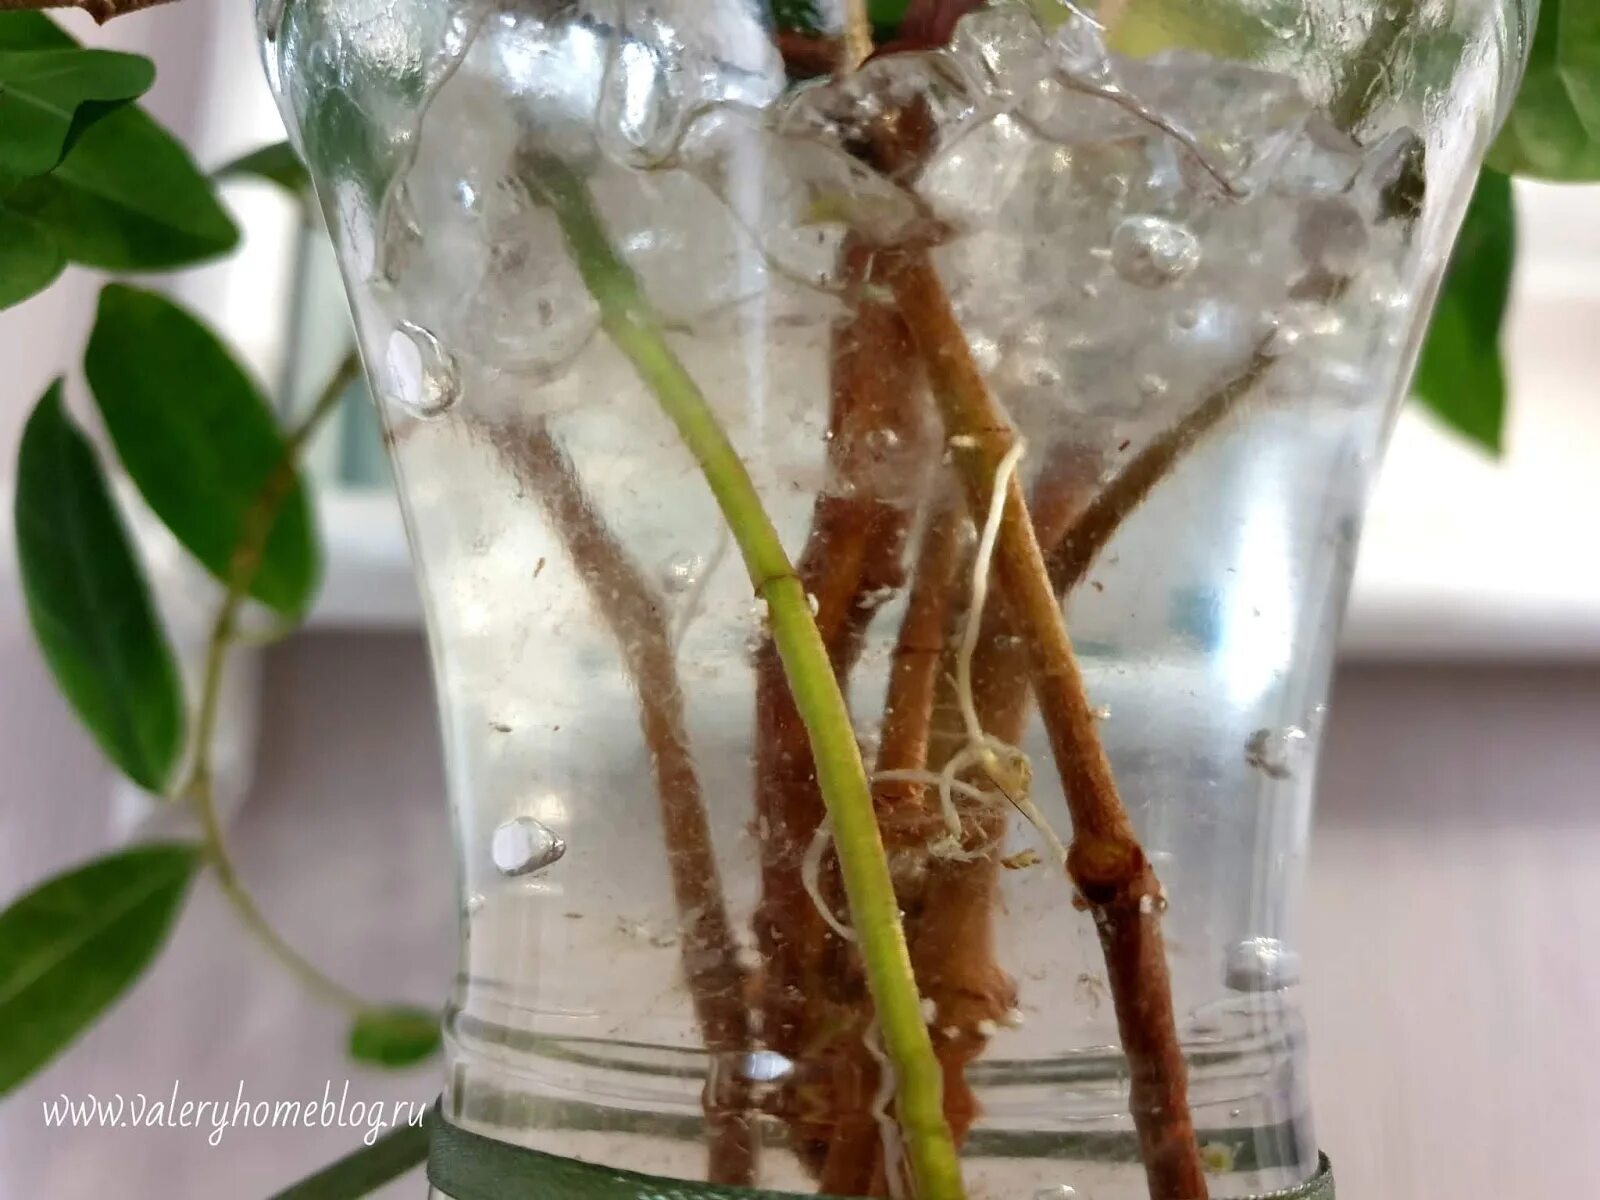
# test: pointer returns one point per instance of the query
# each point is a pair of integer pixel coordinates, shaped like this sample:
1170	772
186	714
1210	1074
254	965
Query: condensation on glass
1132	211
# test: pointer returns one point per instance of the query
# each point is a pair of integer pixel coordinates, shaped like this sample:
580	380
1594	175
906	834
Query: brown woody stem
101	10
628	603
1106	863
1072	557
918	652
852	557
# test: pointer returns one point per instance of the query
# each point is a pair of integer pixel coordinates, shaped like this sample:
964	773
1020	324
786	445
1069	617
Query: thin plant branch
918	651
1106	863
101	10
636	331
197	788
857	40
1075	553
632	610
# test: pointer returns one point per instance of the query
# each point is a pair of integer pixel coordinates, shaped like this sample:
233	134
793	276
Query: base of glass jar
463	1165
542	1083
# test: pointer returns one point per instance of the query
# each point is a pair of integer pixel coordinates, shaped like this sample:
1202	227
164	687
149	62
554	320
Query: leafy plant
89	602
69	948
87	177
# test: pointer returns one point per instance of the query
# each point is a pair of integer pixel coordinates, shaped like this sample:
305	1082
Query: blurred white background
1454	949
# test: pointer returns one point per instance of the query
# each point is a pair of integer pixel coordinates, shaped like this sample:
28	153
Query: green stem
632	325
197	788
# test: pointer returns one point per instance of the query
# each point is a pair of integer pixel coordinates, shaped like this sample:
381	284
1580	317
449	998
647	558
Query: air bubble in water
1261	964
1152	387
1152	252
765	1066
422	373
681	572
1276	753
522	846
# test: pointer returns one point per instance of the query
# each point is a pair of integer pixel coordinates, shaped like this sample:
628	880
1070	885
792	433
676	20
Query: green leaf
1461	376
88	601
368	1169
198	439
32	31
48	98
277	163
1553	130
128	198
394	1037
30	260
73	945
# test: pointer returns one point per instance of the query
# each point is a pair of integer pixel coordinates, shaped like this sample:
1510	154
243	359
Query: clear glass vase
1161	268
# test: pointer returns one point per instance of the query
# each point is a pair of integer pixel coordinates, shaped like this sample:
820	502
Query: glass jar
1157	272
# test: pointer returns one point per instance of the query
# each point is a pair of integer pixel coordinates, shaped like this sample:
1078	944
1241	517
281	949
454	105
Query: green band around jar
468	1166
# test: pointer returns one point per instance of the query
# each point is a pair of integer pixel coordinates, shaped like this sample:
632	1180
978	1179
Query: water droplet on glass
1261	964
1277	753
1060	1191
522	846
1153	252
422	373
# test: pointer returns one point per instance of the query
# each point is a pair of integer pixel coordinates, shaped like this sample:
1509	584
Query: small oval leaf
127	197
50	97
366	1170
198	439
394	1037
1461	376
30	260
73	945
278	164
88	601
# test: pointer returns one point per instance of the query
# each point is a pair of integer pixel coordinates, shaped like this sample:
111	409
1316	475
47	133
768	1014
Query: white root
980	590
1005	764
888	1127
959	787
811	879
